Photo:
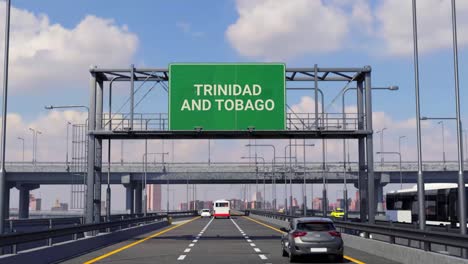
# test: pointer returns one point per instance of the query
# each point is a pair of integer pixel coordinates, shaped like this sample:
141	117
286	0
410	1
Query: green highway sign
228	97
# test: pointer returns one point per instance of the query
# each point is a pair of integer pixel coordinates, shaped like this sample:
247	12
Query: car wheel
285	253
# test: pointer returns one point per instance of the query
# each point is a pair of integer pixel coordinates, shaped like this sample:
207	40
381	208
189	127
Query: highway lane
236	240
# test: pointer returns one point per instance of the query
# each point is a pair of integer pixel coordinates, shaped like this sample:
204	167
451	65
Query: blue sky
163	40
299	33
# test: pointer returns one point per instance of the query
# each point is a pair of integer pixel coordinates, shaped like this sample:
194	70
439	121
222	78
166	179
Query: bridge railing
127	167
294	121
10	242
425	239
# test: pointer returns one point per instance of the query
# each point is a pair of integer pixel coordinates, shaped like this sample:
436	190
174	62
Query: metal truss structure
314	125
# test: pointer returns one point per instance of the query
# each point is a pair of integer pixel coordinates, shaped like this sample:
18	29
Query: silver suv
308	236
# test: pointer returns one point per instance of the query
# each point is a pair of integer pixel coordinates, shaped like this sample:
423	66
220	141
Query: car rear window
222	204
205	210
315	226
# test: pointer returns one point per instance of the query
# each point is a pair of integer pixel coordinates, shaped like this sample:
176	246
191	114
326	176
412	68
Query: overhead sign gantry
230	101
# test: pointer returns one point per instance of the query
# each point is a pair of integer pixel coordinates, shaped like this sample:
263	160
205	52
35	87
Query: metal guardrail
426	238
14	239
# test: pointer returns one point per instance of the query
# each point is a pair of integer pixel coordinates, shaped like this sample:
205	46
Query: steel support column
129	198
370	149
138	198
89	210
98	153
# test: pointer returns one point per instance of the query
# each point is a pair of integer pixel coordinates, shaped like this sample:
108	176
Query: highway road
196	240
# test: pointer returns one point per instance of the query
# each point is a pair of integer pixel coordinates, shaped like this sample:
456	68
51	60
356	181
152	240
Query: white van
221	208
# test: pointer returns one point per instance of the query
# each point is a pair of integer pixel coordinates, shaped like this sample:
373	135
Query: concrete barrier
69	249
398	253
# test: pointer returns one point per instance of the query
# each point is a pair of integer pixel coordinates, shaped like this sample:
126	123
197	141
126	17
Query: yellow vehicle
337	213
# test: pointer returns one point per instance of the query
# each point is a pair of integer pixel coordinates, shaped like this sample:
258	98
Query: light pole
4	210
345	189
37	133
399	156
381	132
66	154
256	177
145	169
461	179
441	122
285	181
272	170
399	142
33	145
22	140
290	175
420	185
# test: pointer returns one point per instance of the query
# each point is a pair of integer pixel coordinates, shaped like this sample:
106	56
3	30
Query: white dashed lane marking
191	245
257	250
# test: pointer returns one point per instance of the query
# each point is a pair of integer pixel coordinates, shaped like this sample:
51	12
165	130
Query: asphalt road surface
236	240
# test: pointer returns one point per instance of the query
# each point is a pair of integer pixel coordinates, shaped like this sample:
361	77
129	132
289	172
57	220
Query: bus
441	204
221	208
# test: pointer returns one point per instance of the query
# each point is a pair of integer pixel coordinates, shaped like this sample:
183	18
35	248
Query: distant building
59	206
34	203
154	197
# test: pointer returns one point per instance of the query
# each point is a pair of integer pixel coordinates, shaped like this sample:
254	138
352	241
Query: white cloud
44	54
186	28
276	30
434	25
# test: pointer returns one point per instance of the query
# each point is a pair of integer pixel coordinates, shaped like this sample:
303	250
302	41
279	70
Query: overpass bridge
28	176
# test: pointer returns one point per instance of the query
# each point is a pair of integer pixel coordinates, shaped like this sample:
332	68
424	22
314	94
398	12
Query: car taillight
335	233
299	234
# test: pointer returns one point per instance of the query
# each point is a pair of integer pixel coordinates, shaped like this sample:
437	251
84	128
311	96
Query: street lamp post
381	132
345	189
22	140
66	154
272	170
33	145
420	185
145	170
35	133
4	210
461	178
290	175
256	176
441	122
285	181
